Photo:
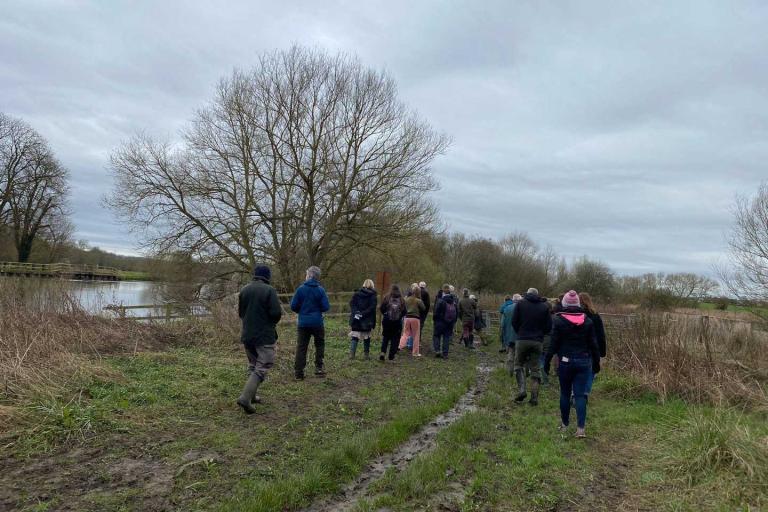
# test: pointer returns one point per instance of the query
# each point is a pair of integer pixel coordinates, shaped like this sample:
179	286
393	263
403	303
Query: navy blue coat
363	303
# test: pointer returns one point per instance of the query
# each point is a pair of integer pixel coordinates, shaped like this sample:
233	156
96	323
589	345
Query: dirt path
423	441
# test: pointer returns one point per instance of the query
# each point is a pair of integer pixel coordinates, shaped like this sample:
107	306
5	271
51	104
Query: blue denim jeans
590	381
574	375
446	342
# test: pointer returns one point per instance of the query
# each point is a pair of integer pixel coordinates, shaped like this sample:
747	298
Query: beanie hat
571	300
263	272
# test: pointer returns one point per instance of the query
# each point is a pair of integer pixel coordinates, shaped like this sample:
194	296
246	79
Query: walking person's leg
580	378
253	381
436	344
319	335
353	347
534	366
565	375
446	343
416	333
521	354
393	344
302	343
404	335
367	347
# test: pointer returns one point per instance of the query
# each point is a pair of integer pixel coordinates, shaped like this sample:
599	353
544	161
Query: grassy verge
641	455
159	430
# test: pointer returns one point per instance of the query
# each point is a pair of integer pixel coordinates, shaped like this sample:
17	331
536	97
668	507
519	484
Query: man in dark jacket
260	311
445	317
310	301
532	321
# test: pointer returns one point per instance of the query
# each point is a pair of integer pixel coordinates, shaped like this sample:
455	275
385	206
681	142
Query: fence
61	270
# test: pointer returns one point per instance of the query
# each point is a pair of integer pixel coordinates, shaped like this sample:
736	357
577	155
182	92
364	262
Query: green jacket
467	310
414	307
260	311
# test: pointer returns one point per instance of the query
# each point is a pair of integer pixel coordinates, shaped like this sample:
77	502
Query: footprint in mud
422	441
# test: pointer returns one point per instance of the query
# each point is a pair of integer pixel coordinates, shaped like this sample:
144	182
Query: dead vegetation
700	359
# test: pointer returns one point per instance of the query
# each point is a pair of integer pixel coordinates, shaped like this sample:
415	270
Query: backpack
394	309
450	313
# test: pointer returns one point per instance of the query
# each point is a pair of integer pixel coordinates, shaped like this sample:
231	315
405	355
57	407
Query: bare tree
38	199
293	162
747	275
686	285
33	184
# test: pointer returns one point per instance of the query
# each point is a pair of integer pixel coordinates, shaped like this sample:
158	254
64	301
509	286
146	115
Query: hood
534	298
448	298
573	317
312	282
261	279
367	291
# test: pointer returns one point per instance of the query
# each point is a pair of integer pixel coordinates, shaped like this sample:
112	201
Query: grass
160	411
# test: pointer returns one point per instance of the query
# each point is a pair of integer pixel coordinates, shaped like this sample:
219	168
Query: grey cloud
621	130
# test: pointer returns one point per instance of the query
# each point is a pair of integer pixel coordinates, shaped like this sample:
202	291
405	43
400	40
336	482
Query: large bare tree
33	185
747	276
293	162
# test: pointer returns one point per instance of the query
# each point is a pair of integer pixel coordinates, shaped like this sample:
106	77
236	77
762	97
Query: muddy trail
421	442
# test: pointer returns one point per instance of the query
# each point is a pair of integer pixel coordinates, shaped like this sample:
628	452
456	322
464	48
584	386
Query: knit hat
263	272
571	300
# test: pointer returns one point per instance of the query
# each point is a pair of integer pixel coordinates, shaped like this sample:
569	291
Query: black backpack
395	309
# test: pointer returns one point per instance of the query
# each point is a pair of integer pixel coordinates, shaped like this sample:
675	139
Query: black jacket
573	335
443	327
425	300
363	303
260	311
532	318
599	333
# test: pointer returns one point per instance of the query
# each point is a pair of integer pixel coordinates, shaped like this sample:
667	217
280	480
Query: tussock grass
702	362
718	449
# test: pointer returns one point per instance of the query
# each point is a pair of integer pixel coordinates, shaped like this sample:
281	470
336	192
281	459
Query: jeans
445	340
590	381
304	334
573	375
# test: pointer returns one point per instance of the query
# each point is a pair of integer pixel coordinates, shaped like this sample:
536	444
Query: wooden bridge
60	270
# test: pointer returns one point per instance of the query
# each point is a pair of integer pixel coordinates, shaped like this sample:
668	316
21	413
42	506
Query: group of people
533	332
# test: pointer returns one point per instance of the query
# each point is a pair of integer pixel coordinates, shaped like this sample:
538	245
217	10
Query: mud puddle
422	441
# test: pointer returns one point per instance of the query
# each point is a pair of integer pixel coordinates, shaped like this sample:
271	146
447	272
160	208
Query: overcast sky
621	130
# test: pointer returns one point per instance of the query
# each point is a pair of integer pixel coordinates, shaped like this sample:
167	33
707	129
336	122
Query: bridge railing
56	269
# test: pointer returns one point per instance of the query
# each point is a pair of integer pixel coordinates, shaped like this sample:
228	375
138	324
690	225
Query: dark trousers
390	337
573	375
466	332
444	340
304	334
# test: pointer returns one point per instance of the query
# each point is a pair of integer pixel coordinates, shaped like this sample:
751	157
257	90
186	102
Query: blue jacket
310	302
506	303
508	334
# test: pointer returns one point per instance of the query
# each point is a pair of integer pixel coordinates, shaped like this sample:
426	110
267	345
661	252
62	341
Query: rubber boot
520	377
249	391
353	347
367	349
534	392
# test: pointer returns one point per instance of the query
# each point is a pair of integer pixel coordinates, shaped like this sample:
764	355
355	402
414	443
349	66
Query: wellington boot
249	392
353	348
520	377
534	392
367	349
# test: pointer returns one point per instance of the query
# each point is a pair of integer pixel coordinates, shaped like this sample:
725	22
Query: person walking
445	316
392	313
362	318
467	315
589	309
575	343
507	302
479	323
310	302
411	327
259	310
508	332
425	298
531	320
